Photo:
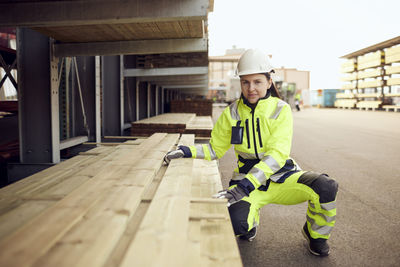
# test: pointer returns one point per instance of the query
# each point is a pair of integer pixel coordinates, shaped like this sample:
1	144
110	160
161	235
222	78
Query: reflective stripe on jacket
266	142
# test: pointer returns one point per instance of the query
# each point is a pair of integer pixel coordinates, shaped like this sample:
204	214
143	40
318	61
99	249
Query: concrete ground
361	150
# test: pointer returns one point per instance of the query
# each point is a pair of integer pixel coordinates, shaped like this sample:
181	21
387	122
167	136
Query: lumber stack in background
200	107
200	126
164	123
119	206
182	123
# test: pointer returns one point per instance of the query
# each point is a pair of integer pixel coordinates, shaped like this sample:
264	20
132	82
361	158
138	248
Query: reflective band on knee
328	206
322	230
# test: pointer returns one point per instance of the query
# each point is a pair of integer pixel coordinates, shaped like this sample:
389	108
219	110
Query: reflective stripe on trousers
322	219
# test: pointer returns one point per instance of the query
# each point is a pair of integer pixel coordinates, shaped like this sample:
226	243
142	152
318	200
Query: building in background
224	86
291	82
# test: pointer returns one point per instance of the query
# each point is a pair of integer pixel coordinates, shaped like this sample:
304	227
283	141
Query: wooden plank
348	86
116	256
186	140
201	126
168	123
30	242
165	225
370	73
121	137
366	95
393	81
370	84
218	242
392	58
98	231
107	143
18	216
47	177
392	69
393	50
168	118
348	66
344	95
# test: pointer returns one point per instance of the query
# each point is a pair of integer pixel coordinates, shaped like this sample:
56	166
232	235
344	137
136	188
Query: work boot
250	235
317	246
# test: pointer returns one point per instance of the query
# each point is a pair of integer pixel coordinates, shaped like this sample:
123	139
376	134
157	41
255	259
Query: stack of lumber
371	60
200	107
370	84
348	66
187	123
392	54
345	103
164	123
171	60
119	206
201	126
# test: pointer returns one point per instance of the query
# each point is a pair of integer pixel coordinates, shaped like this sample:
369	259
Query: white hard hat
253	61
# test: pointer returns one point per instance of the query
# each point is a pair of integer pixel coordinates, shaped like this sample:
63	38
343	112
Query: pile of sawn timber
119	206
200	107
183	123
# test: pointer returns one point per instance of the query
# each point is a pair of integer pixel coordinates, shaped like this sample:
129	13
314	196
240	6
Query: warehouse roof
373	48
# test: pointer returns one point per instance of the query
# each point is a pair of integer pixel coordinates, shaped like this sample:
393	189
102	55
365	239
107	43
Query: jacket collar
253	106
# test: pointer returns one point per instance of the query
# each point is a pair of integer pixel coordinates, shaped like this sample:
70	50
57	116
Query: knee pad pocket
324	186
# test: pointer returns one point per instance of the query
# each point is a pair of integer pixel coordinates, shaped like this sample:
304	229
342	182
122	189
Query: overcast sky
307	35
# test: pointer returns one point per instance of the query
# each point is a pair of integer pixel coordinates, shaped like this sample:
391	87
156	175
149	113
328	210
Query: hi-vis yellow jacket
263	152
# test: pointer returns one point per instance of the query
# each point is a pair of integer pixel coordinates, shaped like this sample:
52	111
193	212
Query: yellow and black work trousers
318	189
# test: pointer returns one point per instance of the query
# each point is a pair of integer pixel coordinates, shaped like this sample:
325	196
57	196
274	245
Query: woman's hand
181	152
233	195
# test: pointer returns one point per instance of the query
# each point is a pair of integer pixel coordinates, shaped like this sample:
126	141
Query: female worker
259	125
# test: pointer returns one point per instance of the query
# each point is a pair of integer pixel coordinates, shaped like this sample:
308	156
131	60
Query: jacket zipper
259	131
247	133
254	134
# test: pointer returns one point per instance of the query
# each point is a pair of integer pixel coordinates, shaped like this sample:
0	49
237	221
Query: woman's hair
274	91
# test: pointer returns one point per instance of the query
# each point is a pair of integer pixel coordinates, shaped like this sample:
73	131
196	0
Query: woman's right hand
181	152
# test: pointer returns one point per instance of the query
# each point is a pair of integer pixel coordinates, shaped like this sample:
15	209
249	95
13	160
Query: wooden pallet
368	105
119	206
390	107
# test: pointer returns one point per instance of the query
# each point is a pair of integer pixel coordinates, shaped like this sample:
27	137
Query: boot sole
309	248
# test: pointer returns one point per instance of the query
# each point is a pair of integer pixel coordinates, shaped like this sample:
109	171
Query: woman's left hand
233	195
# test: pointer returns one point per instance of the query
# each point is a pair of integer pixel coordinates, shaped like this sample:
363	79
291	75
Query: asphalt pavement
361	150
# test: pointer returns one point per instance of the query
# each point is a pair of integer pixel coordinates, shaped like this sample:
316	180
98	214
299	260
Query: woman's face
254	86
